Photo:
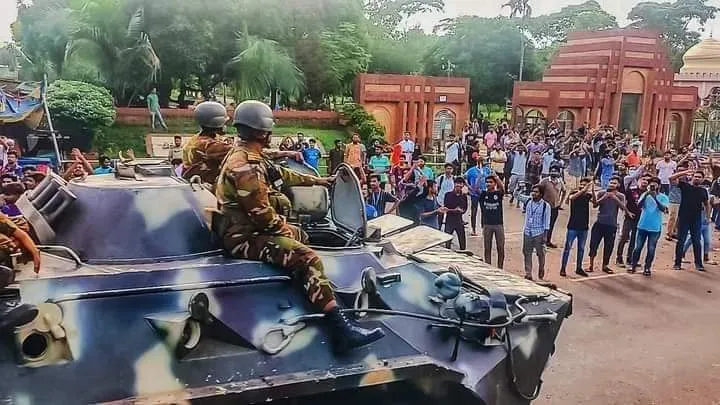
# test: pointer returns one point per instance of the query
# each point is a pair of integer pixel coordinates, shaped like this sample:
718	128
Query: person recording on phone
654	204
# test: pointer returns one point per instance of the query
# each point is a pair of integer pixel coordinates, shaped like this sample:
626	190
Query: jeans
514	179
693	227
553	218
497	231
652	239
536	243
705	235
606	234
474	202
570	237
628	234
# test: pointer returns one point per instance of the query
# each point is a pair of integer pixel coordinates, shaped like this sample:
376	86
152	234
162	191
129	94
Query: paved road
631	340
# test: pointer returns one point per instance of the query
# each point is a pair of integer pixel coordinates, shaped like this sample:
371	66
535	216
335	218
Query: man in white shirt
407	146
452	153
666	168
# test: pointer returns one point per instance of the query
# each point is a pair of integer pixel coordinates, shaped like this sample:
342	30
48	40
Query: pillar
412	119
422	122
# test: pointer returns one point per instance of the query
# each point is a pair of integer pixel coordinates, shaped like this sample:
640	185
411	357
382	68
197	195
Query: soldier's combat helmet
210	114
254	114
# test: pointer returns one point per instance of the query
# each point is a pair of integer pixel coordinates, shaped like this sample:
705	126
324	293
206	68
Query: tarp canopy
21	107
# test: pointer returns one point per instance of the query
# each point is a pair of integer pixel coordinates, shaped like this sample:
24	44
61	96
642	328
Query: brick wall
319	119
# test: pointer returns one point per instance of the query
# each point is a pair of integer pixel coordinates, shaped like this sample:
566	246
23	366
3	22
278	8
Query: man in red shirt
633	158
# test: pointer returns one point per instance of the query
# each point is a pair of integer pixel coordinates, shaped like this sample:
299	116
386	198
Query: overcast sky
453	8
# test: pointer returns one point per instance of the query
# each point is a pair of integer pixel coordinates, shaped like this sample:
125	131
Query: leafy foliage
403	54
552	29
80	110
363	122
307	52
388	14
673	21
495	42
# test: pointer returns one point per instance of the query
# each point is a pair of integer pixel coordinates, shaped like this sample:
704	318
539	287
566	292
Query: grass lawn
121	137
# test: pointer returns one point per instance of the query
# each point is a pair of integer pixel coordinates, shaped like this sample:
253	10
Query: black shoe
677	268
608	270
582	273
619	262
17	316
551	245
632	270
562	273
647	273
529	278
346	335
700	268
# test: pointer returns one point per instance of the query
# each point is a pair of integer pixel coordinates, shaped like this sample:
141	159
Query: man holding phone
653	205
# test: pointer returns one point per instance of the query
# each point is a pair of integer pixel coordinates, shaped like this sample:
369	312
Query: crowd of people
541	170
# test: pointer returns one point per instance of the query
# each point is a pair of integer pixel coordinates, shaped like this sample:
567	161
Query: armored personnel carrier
136	303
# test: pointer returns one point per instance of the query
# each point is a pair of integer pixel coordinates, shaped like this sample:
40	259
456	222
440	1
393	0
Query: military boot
346	334
12	317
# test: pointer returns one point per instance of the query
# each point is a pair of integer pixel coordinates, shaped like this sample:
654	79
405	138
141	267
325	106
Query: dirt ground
631	339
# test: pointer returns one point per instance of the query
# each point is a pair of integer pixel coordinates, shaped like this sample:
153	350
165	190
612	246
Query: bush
363	122
80	110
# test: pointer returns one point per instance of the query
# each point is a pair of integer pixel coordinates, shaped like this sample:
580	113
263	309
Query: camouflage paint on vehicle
154	313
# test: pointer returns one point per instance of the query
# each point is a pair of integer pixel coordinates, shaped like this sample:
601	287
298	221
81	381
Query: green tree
119	45
262	68
486	51
404	54
673	21
552	29
388	14
346	51
523	10
43	30
81	110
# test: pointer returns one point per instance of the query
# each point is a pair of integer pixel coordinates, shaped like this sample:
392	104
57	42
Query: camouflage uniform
202	156
255	230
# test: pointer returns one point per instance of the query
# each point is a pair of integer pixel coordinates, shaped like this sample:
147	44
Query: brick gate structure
620	77
426	107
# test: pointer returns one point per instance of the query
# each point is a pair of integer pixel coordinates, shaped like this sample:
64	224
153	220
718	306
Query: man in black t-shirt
578	224
492	218
457	204
693	205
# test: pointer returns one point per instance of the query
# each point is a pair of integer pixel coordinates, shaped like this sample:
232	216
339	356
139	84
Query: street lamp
447	66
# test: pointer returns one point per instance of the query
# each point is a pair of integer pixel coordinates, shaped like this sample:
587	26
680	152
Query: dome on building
703	57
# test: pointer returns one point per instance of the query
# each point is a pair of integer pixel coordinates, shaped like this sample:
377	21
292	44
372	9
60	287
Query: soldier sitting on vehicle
253	229
204	153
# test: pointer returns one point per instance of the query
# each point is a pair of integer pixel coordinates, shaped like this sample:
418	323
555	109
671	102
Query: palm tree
121	50
522	9
263	66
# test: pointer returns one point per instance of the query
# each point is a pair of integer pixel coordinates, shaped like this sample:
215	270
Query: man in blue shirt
476	177
104	167
653	204
312	154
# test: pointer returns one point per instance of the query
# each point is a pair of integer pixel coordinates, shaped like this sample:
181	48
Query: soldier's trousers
291	255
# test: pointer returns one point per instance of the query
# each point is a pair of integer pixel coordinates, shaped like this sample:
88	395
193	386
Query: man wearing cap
251	227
